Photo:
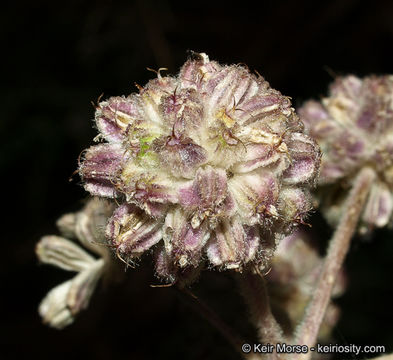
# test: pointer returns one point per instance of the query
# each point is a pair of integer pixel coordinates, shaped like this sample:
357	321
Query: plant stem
307	331
253	289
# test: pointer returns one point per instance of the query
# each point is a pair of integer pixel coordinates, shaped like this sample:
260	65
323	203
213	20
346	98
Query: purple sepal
100	168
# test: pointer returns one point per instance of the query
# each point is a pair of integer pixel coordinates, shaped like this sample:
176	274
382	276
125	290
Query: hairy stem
253	289
307	331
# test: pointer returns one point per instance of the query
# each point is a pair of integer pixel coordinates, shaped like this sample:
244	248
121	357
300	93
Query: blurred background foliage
60	56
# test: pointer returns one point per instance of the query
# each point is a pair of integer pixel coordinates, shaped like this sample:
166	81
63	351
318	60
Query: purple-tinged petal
190	74
226	88
367	119
151	191
294	204
181	155
183	113
160	86
331	172
189	196
258	107
302	169
255	194
132	232
313	112
136	242
379	207
251	242
226	246
209	189
100	168
317	121
233	244
164	265
152	197
257	155
166	268
351	147
114	116
184	242
348	86
154	209
197	71
120	217
345	100
305	156
207	196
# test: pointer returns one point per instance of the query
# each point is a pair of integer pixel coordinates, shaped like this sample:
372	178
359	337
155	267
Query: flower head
354	127
212	164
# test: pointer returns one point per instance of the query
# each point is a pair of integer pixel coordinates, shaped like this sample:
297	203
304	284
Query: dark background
57	57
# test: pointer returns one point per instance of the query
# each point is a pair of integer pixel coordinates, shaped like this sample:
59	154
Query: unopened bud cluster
210	165
64	302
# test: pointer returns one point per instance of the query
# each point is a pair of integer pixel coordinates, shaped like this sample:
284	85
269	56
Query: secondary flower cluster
354	127
62	304
212	164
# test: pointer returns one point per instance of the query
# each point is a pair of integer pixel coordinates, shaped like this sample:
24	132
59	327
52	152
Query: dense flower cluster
354	127
212	164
